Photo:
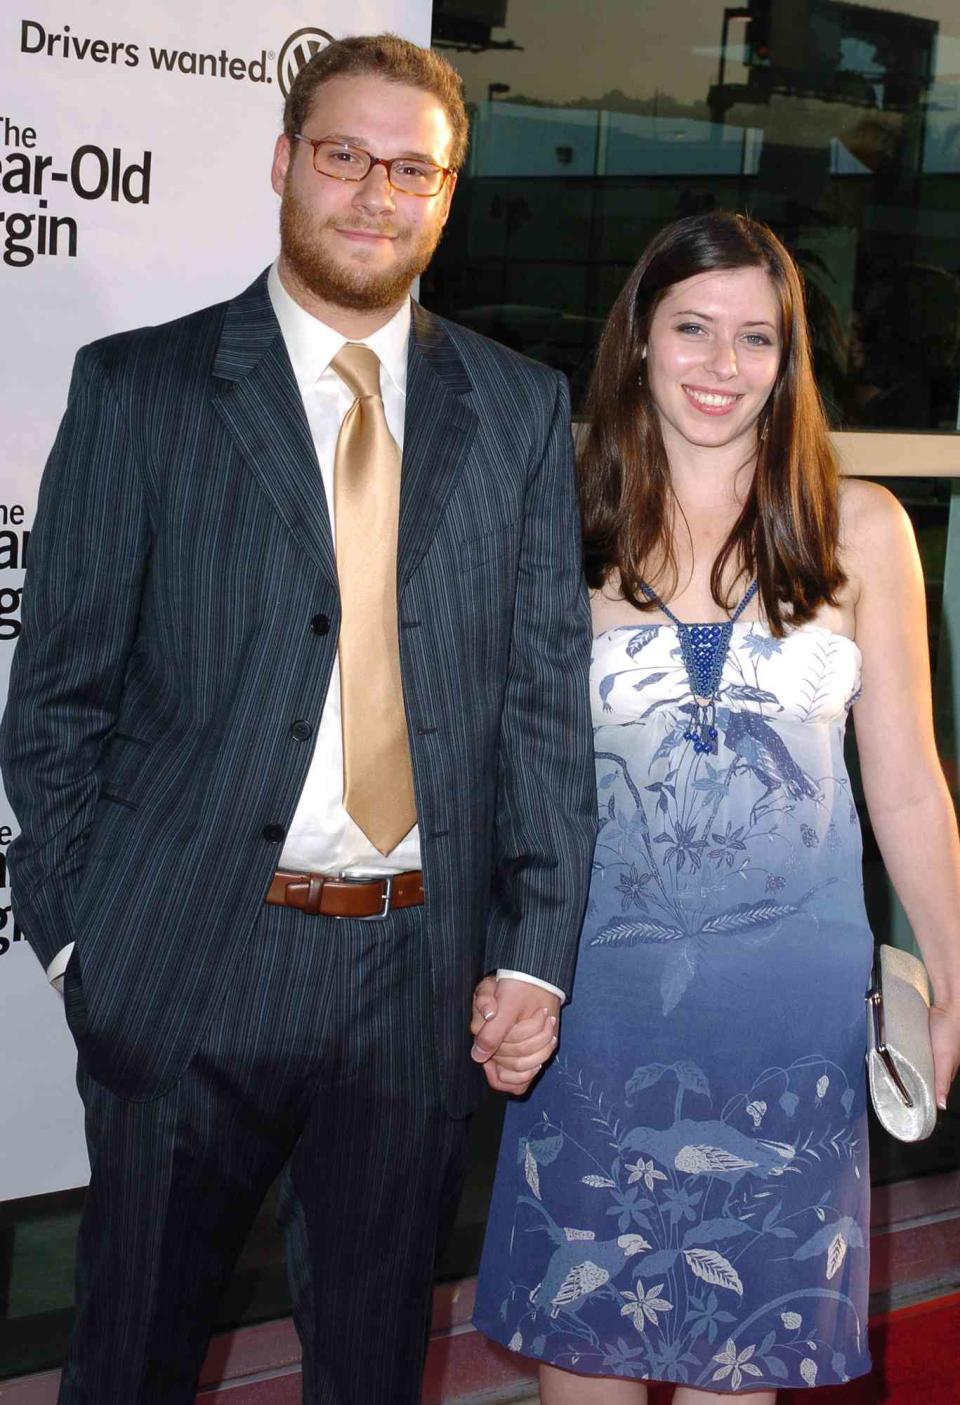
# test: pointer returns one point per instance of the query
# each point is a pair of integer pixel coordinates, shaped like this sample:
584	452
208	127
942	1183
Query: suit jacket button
320	624
300	731
273	833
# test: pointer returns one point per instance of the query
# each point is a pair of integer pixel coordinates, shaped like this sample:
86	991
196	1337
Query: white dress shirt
322	838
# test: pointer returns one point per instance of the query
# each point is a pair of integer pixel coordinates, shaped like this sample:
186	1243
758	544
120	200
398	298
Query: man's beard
347	284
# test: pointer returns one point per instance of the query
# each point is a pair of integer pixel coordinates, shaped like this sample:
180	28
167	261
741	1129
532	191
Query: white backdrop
135	148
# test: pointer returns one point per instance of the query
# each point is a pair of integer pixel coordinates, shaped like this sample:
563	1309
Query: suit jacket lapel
438	431
258	399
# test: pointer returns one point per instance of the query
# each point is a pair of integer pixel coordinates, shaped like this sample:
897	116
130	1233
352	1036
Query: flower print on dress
736	1365
705	1316
729	845
645	1171
631	886
683	845
761	644
643	1305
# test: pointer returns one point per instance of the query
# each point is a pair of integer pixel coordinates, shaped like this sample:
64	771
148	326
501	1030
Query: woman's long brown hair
787	535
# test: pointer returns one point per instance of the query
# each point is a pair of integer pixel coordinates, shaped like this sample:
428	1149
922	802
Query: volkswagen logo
298	51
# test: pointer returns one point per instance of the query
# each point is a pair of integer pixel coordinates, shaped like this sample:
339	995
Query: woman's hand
524	1050
945	1038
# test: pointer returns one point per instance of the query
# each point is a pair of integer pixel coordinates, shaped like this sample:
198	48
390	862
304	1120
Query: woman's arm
907	797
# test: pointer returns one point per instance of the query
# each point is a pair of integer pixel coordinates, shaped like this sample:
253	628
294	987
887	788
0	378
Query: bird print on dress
580	1264
755	743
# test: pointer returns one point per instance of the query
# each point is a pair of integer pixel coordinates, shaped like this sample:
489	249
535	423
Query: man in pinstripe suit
258	981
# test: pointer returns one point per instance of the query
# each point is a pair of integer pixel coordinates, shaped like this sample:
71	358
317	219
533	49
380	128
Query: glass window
838	124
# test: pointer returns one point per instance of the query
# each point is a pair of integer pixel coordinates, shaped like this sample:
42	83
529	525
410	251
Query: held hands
945	1038
514	1024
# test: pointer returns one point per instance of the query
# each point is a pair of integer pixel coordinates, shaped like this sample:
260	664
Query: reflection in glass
837	123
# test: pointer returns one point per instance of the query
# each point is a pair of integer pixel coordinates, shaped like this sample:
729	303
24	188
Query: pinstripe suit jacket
180	553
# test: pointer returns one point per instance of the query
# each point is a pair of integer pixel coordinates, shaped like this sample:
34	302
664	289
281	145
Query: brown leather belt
365	899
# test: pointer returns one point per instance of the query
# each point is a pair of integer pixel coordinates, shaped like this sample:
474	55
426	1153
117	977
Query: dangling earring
640	378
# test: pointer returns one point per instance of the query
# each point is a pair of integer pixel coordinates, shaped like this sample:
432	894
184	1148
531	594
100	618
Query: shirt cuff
532	980
58	965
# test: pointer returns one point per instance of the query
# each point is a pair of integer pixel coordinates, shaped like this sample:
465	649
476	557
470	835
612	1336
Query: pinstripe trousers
321	1063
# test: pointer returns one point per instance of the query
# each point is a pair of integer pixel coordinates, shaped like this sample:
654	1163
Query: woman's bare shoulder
866	510
876	535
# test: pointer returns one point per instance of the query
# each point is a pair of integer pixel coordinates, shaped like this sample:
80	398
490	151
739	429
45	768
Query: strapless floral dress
685	1194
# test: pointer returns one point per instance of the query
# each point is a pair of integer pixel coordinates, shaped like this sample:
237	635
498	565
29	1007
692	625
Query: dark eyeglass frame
388	165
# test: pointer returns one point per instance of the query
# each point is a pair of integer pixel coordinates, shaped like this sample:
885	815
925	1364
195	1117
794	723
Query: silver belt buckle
386	879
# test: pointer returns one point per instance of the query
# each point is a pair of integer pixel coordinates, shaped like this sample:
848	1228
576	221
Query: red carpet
916	1354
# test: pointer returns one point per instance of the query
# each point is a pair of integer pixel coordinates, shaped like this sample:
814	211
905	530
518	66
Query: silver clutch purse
899	1056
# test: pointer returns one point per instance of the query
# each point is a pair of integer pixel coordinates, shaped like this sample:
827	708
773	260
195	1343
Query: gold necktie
377	775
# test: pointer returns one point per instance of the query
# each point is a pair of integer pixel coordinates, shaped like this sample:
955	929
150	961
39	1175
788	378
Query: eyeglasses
343	162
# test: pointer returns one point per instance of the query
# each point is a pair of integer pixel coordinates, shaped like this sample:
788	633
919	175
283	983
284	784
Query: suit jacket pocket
109	829
74	1005
475	552
122	768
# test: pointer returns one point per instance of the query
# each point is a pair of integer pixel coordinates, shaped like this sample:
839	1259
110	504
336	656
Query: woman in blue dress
684	1196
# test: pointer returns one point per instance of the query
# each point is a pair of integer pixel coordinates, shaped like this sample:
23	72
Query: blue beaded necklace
703	648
